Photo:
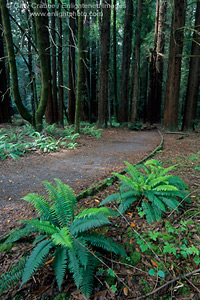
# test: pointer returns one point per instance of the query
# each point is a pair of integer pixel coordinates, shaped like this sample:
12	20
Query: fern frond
165	188
159	180
135	174
91	222
157	211
44	227
179	183
154	162
75	268
18	234
62	238
40	204
69	195
80	248
111	198
105	243
148	211
88	276
39	238
36	259
60	265
10	279
126	203
62	198
173	203
127	180
155	200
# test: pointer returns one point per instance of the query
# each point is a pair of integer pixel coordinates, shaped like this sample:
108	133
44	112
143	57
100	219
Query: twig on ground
166	284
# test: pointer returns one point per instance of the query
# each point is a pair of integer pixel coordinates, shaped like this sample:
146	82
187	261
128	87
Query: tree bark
193	79
136	80
60	71
105	51
171	107
80	67
54	67
115	104
42	33
127	39
5	104
156	65
12	63
160	47
49	112
71	83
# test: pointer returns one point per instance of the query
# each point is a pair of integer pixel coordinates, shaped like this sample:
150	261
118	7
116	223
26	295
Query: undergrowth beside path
163	257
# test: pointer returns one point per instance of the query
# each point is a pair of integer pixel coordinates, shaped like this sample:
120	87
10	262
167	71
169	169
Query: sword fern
68	237
151	184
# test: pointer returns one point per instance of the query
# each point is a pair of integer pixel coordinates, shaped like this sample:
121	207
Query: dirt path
94	160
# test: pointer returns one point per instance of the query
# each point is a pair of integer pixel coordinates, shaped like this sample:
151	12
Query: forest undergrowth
162	259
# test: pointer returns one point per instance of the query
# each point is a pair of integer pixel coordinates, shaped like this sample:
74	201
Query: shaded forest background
103	62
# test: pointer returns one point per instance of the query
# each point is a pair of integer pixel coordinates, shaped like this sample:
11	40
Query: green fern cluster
151	184
68	237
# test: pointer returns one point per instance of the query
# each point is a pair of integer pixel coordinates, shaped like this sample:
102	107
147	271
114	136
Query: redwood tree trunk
115	104
71	83
124	94
12	63
136	79
160	47
105	50
54	69
171	107
193	79
80	68
5	106
42	39
156	65
49	112
60	71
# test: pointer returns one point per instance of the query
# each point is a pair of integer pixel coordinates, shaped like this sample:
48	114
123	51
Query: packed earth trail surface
93	160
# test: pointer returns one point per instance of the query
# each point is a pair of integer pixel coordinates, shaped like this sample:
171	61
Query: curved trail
92	162
79	168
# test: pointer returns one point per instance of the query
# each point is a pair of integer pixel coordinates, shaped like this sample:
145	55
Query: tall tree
171	107
136	79
54	63
49	112
12	63
156	65
80	67
72	45
60	69
5	104
42	42
115	104
104	69
127	39
194	74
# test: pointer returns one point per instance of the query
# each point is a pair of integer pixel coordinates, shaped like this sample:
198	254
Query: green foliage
14	142
91	130
150	184
177	243
68	237
11	278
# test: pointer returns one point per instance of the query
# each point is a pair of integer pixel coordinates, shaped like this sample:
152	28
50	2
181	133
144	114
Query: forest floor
91	162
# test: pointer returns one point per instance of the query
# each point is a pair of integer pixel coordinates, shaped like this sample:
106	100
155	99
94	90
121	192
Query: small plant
68	237
92	131
151	185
